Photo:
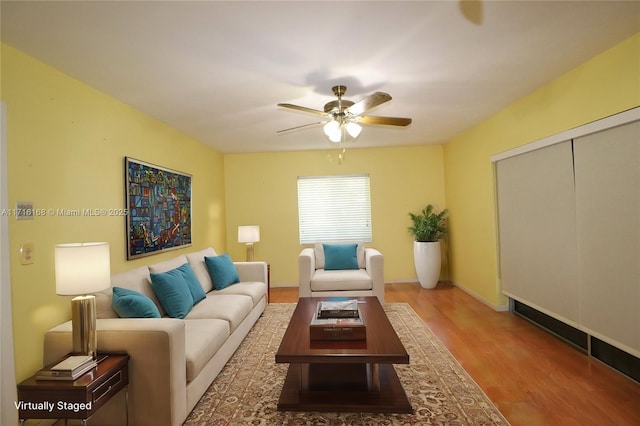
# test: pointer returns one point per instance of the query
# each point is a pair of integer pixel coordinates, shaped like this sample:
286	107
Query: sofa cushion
104	305
203	338
354	279
196	260
222	270
168	265
197	293
233	308
135	279
318	252
131	304
340	256
254	289
173	292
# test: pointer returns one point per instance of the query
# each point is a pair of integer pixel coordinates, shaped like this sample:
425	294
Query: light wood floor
531	376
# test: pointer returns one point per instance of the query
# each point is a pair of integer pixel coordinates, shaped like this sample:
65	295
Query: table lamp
249	235
82	268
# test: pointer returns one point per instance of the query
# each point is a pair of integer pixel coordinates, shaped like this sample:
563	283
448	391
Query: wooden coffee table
345	375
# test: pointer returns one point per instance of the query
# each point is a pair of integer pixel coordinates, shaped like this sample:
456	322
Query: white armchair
316	281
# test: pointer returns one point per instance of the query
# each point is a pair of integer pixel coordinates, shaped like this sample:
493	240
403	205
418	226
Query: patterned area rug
247	390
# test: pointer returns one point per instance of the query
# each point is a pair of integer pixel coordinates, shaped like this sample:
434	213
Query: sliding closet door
536	212
607	167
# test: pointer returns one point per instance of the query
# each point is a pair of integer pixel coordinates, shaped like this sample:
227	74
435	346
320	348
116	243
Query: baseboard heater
616	358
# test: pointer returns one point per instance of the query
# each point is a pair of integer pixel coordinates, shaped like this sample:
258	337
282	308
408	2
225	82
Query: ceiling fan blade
304	109
301	127
389	121
472	10
371	101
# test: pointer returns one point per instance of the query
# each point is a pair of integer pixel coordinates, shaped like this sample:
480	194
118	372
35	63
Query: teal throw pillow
172	291
197	293
131	304
340	256
222	270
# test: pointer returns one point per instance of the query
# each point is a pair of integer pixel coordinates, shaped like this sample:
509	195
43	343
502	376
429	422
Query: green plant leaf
427	225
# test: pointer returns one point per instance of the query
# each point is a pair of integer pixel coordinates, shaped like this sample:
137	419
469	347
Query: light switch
24	210
26	253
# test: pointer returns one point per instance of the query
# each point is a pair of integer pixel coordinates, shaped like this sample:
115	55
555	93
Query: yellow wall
66	145
605	85
261	189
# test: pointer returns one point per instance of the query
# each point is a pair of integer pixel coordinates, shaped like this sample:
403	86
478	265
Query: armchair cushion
318	251
340	256
346	280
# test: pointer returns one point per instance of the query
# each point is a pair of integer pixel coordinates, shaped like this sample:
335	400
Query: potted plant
428	229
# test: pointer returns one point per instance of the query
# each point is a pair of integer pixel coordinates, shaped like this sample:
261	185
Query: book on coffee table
347	328
338	309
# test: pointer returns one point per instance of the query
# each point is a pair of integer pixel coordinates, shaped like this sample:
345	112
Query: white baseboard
403	281
283	285
498	308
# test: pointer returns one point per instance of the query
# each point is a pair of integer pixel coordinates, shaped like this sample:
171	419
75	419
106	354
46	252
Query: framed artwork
159	204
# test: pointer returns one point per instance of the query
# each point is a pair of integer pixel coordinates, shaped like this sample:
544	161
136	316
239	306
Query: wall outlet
26	253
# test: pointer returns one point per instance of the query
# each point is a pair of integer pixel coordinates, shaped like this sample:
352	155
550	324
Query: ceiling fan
343	116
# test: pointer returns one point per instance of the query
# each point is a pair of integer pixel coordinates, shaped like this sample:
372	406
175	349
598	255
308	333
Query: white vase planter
427	259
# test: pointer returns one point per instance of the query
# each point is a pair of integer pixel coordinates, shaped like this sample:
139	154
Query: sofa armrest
252	271
306	268
157	365
374	262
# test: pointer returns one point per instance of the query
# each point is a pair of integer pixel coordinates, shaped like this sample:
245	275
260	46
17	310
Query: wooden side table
77	399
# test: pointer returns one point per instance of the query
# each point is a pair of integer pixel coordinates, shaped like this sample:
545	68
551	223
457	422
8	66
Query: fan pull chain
341	155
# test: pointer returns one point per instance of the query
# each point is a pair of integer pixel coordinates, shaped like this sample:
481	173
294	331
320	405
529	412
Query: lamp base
83	325
249	252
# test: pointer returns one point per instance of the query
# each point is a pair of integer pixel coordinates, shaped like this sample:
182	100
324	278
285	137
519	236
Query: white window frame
334	209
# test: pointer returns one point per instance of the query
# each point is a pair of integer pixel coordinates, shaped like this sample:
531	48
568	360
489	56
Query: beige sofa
173	361
316	281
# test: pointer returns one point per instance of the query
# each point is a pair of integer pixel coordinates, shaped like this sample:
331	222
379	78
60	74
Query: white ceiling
216	70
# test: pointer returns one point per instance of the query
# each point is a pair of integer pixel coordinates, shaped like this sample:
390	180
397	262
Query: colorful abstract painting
159	203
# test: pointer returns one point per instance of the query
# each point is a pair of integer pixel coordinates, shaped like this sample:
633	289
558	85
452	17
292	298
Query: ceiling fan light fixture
336	136
331	128
353	129
342	116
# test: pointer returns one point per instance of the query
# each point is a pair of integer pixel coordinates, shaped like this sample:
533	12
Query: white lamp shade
82	268
354	129
331	128
336	136
248	234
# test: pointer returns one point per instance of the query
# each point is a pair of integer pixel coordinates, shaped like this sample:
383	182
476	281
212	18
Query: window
334	209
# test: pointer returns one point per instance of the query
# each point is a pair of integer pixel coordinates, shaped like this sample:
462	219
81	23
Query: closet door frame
586	129
610	122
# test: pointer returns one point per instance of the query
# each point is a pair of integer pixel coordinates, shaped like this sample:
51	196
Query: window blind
334	209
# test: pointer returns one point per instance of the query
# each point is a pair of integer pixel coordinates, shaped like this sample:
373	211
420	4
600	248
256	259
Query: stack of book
338	309
70	368
337	320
